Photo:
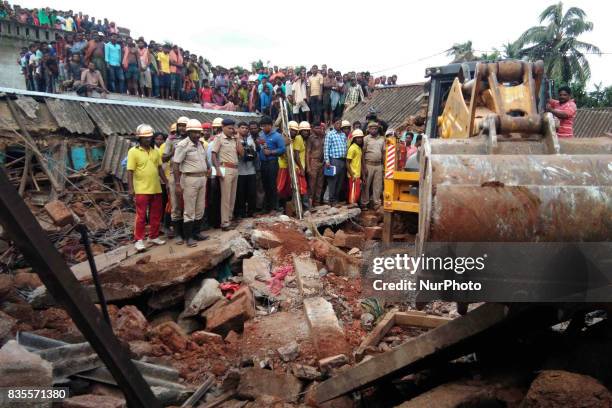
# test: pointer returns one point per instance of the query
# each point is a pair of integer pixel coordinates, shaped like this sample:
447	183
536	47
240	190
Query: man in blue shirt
272	146
334	154
112	56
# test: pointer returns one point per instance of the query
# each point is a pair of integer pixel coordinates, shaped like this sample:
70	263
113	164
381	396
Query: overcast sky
382	36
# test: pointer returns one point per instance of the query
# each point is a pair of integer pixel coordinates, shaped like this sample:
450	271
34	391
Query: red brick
344	240
59	213
233	315
373	233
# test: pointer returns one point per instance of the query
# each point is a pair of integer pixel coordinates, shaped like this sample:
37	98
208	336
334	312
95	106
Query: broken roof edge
15	91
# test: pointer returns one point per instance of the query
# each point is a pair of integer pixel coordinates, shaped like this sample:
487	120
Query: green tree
461	52
556	42
511	50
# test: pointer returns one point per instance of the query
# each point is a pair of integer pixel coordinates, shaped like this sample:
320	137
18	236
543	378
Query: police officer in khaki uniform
175	199
226	151
373	153
189	163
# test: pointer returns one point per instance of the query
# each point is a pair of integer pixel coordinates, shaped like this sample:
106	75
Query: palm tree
558	45
511	50
461	52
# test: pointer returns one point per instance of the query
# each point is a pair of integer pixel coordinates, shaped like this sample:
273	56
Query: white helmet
217	122
194	124
144	130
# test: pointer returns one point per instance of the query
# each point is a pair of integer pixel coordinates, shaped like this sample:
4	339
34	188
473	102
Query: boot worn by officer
188	234
178	232
197	229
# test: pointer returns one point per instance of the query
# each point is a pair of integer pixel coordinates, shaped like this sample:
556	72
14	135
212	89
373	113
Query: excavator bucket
516	181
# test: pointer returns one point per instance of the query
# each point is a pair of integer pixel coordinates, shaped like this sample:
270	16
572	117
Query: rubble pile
261	316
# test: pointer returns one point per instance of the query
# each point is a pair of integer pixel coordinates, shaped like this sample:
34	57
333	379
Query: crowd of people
209	175
90	56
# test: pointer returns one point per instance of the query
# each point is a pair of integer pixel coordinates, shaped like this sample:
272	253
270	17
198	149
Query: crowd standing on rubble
209	175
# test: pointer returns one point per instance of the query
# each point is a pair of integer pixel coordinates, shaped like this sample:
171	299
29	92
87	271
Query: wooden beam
31	144
444	339
419	320
387	233
374	337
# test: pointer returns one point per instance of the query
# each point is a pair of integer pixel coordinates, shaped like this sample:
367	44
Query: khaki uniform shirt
225	148
190	157
373	148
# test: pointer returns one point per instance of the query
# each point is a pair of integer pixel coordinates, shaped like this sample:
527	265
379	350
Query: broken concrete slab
256	273
93	401
325	331
265	239
307	276
59	212
167	265
21	368
232	315
256	381
201	297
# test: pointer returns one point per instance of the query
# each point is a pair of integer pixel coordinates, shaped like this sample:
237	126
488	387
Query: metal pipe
94	271
478	145
541	170
498	213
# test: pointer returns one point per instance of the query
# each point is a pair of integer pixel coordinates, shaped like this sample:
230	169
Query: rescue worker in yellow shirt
176	200
283	181
227	149
353	168
190	169
144	185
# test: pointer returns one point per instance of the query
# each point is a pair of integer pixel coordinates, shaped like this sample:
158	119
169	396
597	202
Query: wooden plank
420	320
374	337
387	234
427	345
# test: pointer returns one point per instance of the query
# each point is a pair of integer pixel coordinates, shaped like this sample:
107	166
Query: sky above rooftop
384	37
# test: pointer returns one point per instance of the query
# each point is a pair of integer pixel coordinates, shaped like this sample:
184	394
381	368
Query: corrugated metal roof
392	104
112	117
115	119
70	116
115	151
593	122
